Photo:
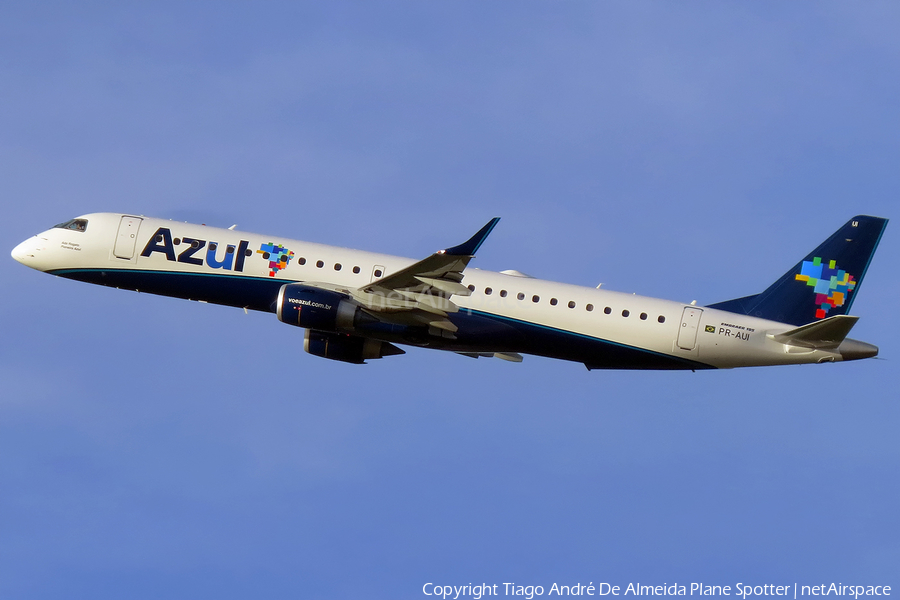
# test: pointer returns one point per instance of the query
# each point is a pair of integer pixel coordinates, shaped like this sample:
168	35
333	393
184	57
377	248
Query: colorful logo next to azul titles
831	285
277	255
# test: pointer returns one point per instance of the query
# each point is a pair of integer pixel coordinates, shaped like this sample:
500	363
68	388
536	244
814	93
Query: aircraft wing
421	292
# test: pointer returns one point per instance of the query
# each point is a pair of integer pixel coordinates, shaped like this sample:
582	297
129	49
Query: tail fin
823	284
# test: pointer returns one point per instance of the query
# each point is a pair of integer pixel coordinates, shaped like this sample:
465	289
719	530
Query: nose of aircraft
26	251
20	251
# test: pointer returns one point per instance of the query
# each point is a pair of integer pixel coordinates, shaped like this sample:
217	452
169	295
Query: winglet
470	247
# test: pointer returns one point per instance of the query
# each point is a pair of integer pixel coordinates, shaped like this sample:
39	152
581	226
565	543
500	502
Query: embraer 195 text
357	305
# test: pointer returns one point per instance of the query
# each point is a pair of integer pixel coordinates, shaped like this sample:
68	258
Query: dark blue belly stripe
475	327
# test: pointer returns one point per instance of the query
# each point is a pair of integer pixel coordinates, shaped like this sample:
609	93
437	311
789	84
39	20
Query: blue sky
154	447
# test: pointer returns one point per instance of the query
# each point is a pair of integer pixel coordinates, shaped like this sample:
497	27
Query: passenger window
356	269
471	288
571	304
625	313
589	307
377	272
643	316
521	296
337	266
488	291
607	310
661	319
320	264
301	261
535	298
552	301
503	293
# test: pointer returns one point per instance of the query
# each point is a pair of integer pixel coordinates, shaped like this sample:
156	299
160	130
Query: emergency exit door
690	322
127	236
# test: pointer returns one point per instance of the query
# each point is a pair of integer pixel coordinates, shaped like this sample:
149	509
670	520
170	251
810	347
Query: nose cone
26	252
21	251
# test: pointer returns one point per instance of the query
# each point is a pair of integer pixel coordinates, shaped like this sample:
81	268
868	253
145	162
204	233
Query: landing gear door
126	237
690	322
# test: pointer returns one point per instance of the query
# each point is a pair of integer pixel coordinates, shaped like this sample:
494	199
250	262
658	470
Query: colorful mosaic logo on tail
831	285
277	255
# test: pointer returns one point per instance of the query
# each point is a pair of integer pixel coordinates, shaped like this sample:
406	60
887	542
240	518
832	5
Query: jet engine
329	317
346	348
315	308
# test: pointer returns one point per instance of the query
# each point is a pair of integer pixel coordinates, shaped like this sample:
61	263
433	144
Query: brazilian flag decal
710	329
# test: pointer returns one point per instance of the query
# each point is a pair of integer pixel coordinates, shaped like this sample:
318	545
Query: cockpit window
73	225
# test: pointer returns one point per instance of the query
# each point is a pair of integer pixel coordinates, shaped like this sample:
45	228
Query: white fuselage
555	319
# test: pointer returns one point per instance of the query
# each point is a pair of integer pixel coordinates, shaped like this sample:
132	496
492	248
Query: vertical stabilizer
823	284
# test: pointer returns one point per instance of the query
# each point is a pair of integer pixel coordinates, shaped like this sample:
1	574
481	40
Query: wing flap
446	286
437	302
423	291
514	357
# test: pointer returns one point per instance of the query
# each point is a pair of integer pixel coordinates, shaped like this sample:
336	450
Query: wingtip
471	246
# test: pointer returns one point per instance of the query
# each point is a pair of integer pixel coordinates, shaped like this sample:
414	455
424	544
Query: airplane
356	305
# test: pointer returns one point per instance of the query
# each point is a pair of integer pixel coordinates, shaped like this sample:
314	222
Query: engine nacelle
315	308
346	348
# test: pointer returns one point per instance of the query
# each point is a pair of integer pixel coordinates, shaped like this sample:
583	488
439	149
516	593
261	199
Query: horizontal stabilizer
825	334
